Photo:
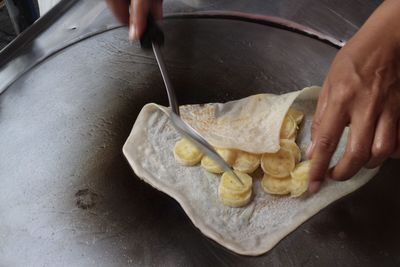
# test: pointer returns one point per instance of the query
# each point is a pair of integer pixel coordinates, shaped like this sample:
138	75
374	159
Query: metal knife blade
182	126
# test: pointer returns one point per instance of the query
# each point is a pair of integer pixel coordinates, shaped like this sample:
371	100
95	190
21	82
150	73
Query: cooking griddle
68	197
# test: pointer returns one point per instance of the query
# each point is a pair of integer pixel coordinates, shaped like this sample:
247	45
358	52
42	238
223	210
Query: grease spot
86	199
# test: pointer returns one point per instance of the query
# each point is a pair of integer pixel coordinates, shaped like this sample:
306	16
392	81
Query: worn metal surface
337	18
83	19
68	197
86	18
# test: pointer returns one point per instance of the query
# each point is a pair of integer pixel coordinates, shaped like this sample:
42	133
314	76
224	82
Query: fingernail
314	186
309	150
132	32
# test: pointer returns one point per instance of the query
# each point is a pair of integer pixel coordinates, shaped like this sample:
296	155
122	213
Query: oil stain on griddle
86	199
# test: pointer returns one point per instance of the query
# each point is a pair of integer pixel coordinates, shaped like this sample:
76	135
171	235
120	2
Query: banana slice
288	128
235	202
279	164
293	137
276	186
300	176
227	154
246	162
291	146
232	186
186	153
297	115
224	193
232	193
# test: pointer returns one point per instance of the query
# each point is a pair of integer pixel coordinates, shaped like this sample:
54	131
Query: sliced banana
300	177
276	186
294	136
246	162
292	147
228	155
278	164
297	115
224	193
235	202
186	153
288	128
232	193
232	186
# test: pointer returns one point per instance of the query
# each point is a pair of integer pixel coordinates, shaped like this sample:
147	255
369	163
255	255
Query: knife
153	38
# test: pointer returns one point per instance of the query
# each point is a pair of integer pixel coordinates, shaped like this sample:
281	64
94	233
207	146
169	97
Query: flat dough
250	124
260	225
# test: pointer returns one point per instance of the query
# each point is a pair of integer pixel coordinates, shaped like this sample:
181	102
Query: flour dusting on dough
251	230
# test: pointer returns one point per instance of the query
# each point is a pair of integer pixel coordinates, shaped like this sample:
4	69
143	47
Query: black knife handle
153	33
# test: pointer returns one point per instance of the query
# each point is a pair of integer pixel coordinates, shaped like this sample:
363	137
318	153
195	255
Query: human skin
134	13
361	90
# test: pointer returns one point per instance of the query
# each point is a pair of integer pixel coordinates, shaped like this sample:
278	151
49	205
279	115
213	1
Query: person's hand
362	91
134	13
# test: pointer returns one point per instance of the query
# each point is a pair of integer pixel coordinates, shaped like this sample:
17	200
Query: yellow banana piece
235	202
232	193
293	136
288	128
297	115
232	186
291	146
300	177
228	155
186	153
226	193
246	162
278	164
276	186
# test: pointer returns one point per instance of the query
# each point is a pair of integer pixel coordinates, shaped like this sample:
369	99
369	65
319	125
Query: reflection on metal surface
9	73
19	45
46	5
266	20
25	52
337	18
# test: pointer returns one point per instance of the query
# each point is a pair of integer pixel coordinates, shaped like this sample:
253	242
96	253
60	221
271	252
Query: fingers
325	141
135	14
321	107
120	8
385	139
139	11
358	148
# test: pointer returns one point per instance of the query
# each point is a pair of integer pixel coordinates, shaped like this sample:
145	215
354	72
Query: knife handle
152	34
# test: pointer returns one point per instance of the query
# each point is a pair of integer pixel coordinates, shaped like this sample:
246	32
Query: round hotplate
69	197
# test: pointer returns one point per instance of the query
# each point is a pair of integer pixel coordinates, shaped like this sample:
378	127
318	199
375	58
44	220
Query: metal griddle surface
69	198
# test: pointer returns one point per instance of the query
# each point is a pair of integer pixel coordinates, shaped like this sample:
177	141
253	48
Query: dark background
7	33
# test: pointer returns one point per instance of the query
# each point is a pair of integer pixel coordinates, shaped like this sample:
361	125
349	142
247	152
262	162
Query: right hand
362	91
134	13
